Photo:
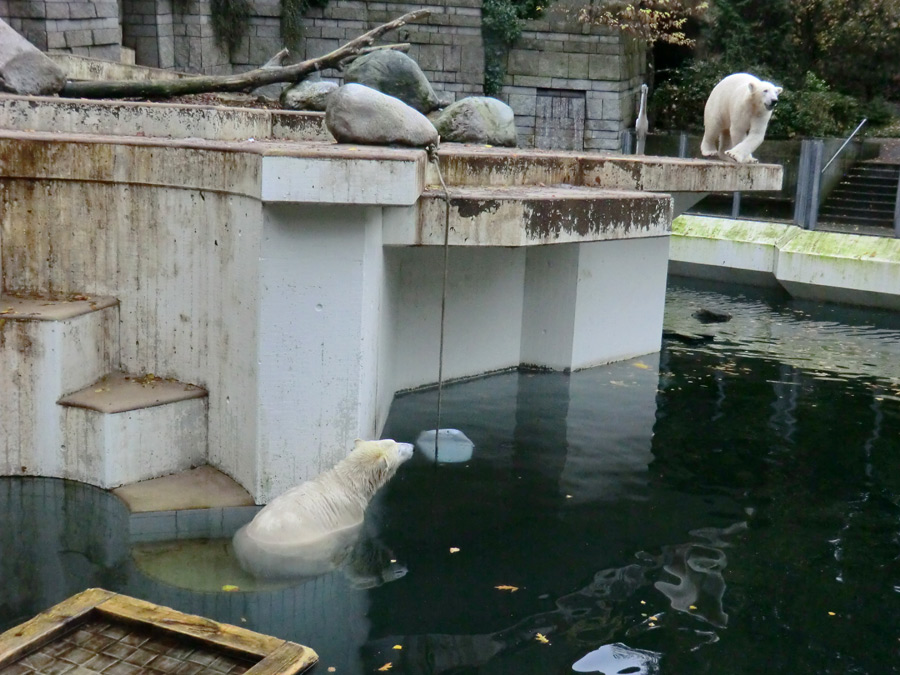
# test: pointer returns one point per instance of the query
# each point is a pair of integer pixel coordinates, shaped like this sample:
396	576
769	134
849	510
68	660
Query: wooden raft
101	631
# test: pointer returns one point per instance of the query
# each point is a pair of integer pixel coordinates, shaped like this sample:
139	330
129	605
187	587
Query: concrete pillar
579	310
321	282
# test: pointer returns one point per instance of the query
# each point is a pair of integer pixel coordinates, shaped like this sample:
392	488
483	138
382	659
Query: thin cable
433	156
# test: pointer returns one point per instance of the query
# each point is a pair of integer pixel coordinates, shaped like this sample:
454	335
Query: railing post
736	205
809	175
897	210
682	145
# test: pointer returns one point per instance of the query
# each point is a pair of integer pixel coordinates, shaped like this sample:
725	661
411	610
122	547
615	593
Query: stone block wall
82	27
571	86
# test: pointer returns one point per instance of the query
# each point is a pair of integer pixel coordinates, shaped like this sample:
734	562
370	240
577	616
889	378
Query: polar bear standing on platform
736	116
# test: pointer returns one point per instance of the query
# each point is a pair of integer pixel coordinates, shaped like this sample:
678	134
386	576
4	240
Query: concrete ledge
487	166
342	174
722	249
531	216
847	268
120	392
36	308
825	266
200	488
163	120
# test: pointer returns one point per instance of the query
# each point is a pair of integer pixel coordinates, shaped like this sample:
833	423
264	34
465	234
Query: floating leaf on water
831	614
397	647
504	587
454	549
386	667
644	366
540	637
331	669
230	587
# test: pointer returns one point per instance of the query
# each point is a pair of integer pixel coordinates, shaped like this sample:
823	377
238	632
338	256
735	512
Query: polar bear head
765	92
373	463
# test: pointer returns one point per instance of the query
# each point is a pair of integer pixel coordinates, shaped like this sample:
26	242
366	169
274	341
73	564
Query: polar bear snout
405	450
770	105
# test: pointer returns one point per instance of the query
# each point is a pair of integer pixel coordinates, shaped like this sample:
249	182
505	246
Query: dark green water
729	506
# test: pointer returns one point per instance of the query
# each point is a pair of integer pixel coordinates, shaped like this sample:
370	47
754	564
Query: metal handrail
844	145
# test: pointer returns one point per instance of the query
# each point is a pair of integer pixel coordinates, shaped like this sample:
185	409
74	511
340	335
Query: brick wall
80	27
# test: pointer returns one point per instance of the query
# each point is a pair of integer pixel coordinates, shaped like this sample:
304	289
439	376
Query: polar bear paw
741	159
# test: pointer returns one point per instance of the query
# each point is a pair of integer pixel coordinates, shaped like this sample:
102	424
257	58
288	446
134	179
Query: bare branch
247	81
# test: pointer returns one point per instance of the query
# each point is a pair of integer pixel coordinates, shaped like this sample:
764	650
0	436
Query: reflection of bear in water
314	528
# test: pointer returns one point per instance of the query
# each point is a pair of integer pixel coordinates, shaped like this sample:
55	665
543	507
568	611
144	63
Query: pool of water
729	505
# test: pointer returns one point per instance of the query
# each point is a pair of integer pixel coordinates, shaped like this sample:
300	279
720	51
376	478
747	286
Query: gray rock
395	74
24	69
478	119
307	95
358	114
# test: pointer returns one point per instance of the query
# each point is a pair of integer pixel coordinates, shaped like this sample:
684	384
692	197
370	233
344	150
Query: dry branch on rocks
270	73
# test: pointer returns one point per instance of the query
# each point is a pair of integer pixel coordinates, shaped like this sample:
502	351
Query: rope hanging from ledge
433	157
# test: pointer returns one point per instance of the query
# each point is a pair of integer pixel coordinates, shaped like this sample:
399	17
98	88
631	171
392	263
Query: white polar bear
736	116
312	527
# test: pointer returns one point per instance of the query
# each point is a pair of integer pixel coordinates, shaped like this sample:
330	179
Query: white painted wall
483	312
621	299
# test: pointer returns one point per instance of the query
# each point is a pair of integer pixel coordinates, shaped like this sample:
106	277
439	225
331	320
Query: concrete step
126	428
48	348
199	503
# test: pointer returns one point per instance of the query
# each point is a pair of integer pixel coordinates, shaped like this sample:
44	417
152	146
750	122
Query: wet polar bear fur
311	527
736	116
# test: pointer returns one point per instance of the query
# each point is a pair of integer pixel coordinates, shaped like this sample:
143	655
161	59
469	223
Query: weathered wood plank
41	629
288	659
238	639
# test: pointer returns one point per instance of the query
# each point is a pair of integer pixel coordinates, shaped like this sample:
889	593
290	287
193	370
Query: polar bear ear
778	91
357	443
751	87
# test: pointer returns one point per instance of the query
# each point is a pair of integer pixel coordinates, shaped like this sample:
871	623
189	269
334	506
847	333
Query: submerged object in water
453	446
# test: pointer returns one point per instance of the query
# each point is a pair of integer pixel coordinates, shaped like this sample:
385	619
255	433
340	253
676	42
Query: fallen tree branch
248	81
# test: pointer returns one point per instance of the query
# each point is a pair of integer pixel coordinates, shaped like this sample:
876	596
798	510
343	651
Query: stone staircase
66	410
865	197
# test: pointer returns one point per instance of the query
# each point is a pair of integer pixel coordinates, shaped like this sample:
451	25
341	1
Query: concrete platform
120	392
202	488
36	308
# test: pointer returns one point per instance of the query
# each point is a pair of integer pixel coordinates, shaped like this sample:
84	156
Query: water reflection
592	613
733	507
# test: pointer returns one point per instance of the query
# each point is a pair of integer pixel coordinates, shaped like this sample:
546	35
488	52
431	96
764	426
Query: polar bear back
731	101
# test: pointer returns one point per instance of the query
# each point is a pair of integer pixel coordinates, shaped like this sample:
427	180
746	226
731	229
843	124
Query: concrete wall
174	235
824	266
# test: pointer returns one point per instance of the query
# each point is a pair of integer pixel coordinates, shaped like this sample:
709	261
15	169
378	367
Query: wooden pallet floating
98	630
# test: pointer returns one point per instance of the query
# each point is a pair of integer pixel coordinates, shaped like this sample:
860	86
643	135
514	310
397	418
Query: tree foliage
853	45
648	20
501	26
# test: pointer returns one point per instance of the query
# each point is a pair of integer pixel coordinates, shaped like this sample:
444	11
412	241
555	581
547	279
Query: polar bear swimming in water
313	527
736	116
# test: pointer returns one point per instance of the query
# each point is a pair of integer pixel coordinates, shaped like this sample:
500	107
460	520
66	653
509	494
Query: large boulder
358	114
478	119
24	69
307	95
394	73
